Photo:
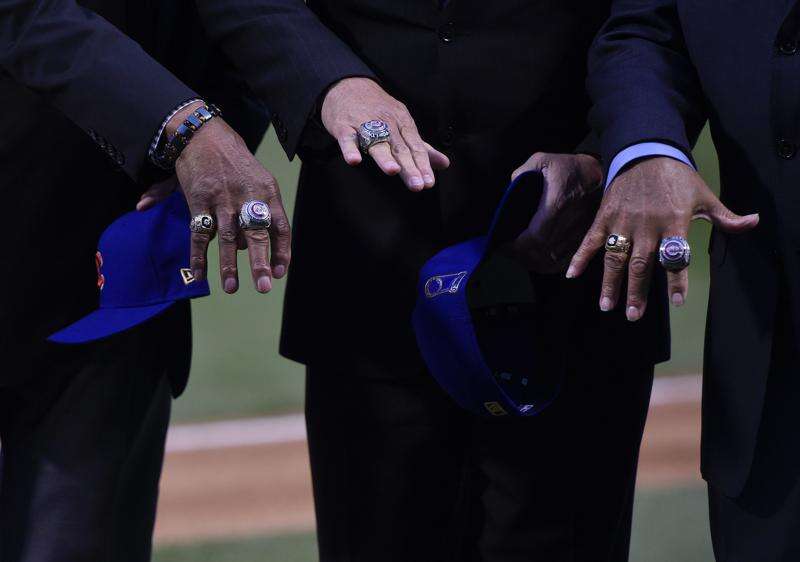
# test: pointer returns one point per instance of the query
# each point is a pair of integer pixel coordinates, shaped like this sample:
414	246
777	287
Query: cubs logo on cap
142	269
493	334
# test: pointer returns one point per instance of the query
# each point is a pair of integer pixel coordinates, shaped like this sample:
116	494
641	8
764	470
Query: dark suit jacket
488	82
84	89
658	70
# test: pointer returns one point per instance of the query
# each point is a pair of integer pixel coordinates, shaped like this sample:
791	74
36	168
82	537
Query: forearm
288	57
88	69
642	80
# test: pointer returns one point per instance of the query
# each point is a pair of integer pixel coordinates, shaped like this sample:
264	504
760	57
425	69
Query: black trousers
82	448
763	523
401	474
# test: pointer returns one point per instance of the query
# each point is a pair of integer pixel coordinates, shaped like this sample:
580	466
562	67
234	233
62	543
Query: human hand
653	199
218	174
569	201
156	193
353	101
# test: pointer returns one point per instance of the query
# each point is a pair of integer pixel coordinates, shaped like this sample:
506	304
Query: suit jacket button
788	47
786	149
448	137
447	32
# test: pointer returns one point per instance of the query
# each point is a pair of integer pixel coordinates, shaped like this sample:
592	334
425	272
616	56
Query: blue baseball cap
491	333
142	269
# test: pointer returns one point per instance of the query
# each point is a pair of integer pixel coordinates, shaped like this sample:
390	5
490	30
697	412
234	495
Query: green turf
237	371
669	526
289	548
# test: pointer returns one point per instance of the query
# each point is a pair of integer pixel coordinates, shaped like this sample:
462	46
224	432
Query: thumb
728	221
534	163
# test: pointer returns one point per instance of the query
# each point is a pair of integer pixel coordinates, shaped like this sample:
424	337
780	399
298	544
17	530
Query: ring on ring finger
618	244
674	253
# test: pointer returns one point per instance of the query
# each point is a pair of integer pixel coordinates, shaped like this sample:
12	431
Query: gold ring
618	244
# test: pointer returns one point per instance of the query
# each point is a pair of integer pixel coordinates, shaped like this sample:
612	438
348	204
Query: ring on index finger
618	244
255	215
372	133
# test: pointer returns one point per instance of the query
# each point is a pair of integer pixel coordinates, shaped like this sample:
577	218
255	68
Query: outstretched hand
653	199
354	101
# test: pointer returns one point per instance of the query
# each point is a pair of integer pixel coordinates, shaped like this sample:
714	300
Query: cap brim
107	322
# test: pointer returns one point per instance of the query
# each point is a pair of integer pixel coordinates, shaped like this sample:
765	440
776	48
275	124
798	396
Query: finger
725	219
419	153
258	250
438	160
678	286
281	238
382	154
155	194
614	265
534	163
227	233
198	259
408	168
346	137
592	242
640	269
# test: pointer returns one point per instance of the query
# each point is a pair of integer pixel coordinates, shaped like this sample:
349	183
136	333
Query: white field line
291	428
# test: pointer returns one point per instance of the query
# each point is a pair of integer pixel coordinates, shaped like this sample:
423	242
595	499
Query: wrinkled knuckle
399	148
607	289
419	149
614	262
229	270
197	261
639	266
227	235
280	224
282	256
259	236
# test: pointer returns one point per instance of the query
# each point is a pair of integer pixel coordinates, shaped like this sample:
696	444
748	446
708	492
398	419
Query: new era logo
187	276
495	408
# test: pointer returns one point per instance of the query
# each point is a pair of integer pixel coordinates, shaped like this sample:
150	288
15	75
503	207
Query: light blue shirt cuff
644	150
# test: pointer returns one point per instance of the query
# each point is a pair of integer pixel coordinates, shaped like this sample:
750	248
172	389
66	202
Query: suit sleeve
92	72
286	54
642	81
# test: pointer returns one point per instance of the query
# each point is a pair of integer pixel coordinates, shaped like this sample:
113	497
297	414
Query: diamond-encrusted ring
202	224
255	215
674	253
372	133
618	244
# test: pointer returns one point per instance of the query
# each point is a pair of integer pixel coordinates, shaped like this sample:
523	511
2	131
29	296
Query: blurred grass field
238	373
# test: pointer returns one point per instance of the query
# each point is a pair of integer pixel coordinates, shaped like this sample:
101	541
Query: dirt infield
264	489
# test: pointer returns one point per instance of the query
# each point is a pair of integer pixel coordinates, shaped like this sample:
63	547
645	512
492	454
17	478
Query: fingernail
416	182
571	272
677	299
633	313
230	285
264	284
605	304
428	178
279	271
